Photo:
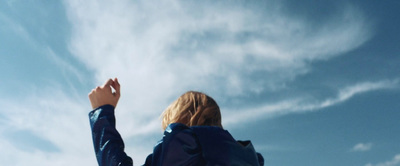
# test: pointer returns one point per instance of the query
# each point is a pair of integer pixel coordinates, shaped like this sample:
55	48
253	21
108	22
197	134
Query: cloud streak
395	161
362	147
300	105
14	27
55	124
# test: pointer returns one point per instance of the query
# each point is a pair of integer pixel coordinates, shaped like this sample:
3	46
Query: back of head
193	109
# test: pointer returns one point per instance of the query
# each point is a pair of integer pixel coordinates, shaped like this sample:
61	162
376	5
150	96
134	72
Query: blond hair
192	109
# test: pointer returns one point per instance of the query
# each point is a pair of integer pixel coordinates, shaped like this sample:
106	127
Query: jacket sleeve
108	144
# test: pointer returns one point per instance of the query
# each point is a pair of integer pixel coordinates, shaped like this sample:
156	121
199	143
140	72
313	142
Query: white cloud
64	65
349	92
362	147
394	162
159	50
49	117
214	46
14	27
300	105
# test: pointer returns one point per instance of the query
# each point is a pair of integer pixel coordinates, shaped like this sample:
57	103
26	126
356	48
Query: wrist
103	106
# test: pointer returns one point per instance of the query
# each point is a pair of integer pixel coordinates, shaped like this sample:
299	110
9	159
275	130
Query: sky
308	82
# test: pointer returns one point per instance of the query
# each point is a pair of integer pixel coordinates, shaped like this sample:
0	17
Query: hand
103	95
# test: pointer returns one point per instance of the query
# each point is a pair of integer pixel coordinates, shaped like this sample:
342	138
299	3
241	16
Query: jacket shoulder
179	146
220	148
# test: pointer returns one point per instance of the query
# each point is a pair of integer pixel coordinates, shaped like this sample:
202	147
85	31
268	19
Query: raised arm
108	144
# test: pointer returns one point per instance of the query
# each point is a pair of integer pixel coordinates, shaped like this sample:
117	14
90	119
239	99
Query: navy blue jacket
181	145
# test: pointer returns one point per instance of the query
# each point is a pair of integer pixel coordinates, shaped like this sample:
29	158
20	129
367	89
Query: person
193	133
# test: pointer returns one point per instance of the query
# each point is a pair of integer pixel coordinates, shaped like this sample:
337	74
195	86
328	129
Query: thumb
115	84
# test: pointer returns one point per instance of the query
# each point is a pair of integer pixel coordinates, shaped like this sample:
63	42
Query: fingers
107	86
108	82
116	86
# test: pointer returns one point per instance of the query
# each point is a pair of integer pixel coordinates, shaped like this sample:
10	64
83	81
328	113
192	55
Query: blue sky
309	82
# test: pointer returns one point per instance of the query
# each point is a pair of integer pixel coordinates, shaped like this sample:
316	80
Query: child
193	133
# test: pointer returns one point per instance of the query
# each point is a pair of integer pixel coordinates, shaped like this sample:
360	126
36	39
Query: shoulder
179	146
182	145
177	136
220	148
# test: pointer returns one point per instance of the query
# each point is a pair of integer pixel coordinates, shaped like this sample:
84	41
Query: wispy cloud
14	27
214	46
159	50
299	105
362	147
47	127
394	162
350	91
64	65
